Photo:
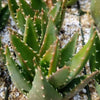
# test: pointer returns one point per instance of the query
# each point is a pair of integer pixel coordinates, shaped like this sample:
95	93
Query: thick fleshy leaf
50	37
54	60
77	63
77	84
55	10
13	7
59	77
44	22
55	14
38	4
17	34
68	51
95	57
25	69
42	90
50	59
20	20
19	80
48	56
26	9
25	53
80	59
37	22
30	35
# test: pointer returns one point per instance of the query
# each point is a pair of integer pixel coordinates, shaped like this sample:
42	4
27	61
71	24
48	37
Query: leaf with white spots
56	13
26	8
47	62
77	63
77	84
95	57
68	51
24	53
42	90
55	10
20	20
80	59
30	35
49	38
19	80
13	6
54	60
59	78
44	22
38	4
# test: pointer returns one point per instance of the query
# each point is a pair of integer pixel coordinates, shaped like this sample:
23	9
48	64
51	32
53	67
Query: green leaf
50	37
59	77
42	90
80	59
48	55
13	7
68	51
24	53
17	77
55	14
55	10
54	60
21	20
17	34
30	35
50	58
38	4
37	22
77	63
95	58
44	22
25	7
77	84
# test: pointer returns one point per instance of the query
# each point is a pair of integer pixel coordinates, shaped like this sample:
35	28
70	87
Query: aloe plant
42	69
4	15
45	70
